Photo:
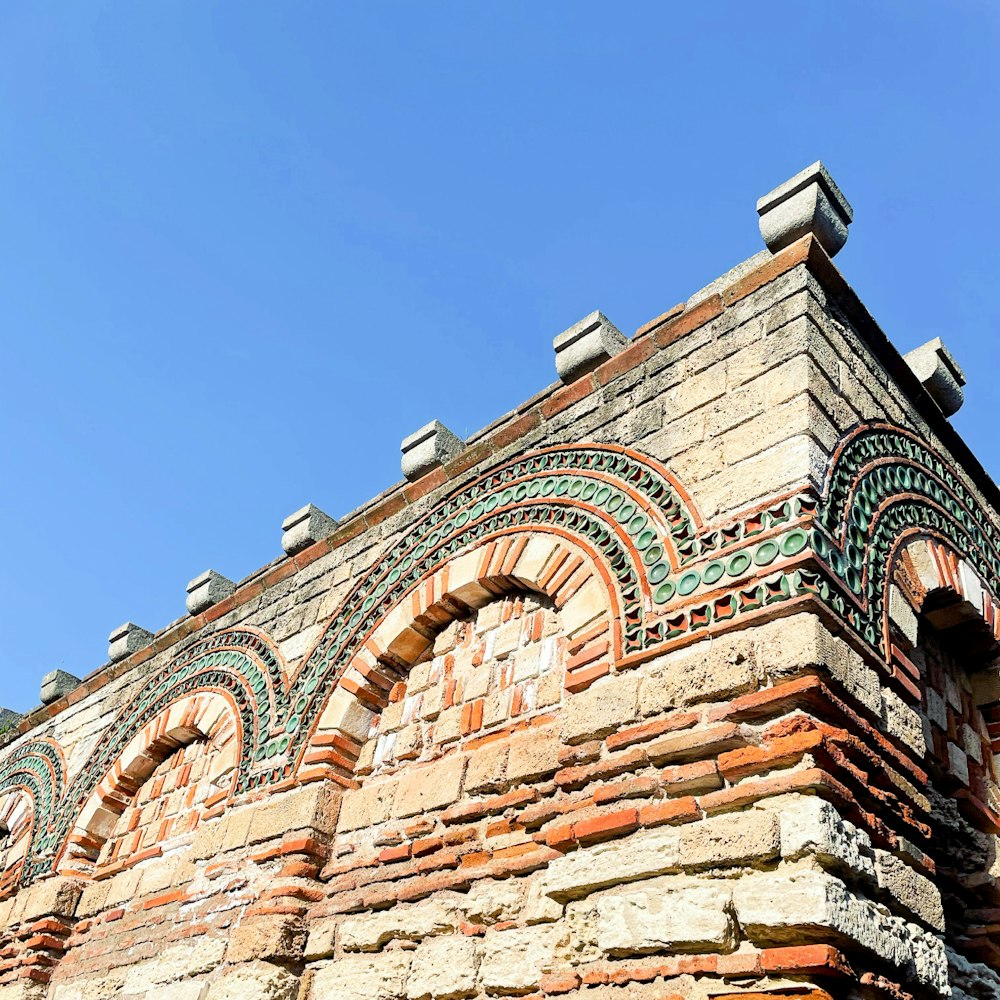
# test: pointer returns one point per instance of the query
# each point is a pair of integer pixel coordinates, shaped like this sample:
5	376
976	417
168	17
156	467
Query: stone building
674	682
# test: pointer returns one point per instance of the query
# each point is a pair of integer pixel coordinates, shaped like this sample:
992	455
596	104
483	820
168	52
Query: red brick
782	752
610	767
556	983
649	730
683	810
565	397
693	779
580	680
615	824
391	854
811	958
752	791
632	788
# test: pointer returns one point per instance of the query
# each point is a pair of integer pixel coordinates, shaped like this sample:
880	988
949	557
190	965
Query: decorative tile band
669	578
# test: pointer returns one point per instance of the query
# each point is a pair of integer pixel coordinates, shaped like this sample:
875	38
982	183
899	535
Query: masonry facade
678	681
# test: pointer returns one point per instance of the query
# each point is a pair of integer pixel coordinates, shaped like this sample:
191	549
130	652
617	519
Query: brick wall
623	700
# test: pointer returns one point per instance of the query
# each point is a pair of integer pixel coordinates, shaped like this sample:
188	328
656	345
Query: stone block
642	855
278	936
587	344
601	709
126	640
322	939
431	787
774	908
444	968
255	981
207	589
812	827
717	669
178	961
363	977
725	841
809	202
689	917
514	961
51	897
911	890
939	374
307	525
313	807
367	805
370	931
534	755
428	448
56	684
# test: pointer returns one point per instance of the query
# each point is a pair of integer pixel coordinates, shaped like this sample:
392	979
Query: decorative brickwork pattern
677	682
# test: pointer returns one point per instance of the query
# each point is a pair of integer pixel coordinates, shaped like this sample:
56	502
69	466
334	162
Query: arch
238	664
546	563
38	770
884	486
626	510
16	824
207	716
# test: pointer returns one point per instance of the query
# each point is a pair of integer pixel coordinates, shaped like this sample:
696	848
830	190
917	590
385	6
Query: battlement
678	678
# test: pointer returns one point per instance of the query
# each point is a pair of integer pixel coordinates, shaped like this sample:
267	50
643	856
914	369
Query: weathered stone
647	853
725	667
276	937
370	931
514	961
57	683
913	891
809	202
363	977
206	589
444	968
686	917
304	527
587	344
255	981
126	640
724	841
430	787
812	827
939	374
428	448
179	961
773	909
600	709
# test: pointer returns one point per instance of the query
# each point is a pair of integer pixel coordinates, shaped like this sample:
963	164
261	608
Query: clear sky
245	248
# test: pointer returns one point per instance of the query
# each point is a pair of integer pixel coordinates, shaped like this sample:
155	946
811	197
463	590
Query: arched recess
625	511
884	486
545	563
944	617
208	718
36	769
239	664
16	822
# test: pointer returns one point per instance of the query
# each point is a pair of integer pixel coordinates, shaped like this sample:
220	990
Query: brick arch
208	717
16	822
933	577
542	562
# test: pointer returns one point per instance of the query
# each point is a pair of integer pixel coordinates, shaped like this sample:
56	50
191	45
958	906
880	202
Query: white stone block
809	202
587	344
426	449
307	525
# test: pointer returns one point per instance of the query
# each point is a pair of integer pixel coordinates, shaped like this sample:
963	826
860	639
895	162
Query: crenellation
678	680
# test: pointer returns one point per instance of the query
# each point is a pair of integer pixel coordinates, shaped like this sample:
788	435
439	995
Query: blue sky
247	247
